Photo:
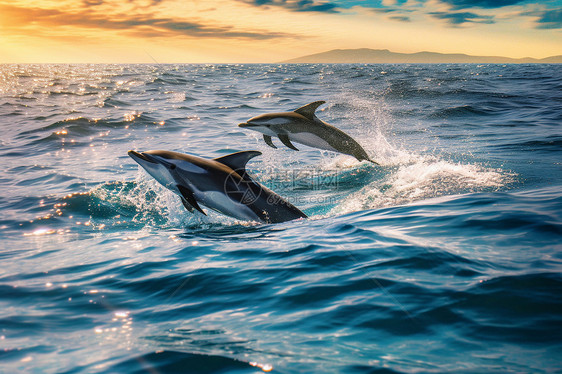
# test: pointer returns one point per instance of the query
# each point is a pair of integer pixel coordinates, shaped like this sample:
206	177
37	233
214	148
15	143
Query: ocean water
445	258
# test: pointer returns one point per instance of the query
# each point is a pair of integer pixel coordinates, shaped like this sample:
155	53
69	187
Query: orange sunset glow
148	31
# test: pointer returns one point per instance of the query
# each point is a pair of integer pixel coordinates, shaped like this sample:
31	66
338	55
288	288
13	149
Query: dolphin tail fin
285	140
367	159
360	154
188	199
268	141
309	109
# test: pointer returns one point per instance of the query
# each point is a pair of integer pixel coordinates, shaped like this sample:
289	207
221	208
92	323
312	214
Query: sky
262	31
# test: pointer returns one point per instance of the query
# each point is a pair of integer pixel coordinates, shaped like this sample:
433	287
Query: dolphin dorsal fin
237	160
309	109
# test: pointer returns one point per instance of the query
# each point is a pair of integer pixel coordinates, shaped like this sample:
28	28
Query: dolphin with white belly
302	126
221	184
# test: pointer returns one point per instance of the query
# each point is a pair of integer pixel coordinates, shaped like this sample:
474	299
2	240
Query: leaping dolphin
221	184
302	126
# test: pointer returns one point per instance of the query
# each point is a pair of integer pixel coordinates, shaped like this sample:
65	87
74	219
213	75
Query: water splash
426	177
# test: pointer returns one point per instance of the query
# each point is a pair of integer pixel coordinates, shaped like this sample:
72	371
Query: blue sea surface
446	257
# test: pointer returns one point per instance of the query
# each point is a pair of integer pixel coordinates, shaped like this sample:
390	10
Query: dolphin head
268	123
168	168
159	167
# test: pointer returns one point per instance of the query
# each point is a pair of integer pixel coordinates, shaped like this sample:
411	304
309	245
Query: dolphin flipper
268	141
285	140
188	199
186	205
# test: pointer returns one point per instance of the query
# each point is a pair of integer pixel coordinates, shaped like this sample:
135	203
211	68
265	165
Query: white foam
406	175
426	178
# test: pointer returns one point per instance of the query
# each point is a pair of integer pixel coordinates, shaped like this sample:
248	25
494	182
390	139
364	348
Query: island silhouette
384	56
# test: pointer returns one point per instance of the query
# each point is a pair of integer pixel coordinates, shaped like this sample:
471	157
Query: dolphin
221	184
302	126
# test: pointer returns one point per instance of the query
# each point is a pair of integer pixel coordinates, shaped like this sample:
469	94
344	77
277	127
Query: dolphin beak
141	156
247	124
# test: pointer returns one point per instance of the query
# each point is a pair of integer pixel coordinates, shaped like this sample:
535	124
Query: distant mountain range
384	56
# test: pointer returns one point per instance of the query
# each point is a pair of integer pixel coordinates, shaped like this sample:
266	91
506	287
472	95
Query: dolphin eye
172	166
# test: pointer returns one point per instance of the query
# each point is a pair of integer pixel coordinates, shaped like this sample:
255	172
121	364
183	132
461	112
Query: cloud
298	6
92	2
400	18
487	4
384	10
546	19
312	6
398	14
457	19
142	25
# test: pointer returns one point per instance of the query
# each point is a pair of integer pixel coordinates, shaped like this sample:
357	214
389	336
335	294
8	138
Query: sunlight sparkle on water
265	367
121	314
39	232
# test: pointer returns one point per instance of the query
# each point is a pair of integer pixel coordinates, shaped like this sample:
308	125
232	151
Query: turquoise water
445	258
